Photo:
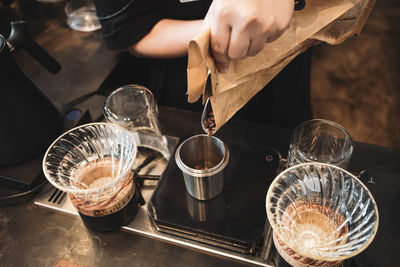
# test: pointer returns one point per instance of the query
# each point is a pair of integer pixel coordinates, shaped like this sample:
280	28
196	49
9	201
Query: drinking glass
320	140
134	108
81	15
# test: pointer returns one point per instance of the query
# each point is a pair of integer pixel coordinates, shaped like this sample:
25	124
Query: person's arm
168	39
241	28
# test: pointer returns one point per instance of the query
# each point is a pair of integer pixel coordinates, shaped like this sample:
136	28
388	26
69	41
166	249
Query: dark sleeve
125	22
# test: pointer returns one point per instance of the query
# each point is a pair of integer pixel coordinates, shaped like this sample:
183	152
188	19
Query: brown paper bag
330	21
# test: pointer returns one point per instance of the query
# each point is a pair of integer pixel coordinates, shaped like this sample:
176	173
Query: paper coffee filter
327	21
322	212
91	161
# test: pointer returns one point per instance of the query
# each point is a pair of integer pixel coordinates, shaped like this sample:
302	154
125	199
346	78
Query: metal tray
52	199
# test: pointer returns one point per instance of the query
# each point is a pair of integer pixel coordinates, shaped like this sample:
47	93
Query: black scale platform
236	218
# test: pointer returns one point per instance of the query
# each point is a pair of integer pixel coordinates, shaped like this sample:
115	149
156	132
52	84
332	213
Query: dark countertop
84	58
32	236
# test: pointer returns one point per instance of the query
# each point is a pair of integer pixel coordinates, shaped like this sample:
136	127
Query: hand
241	28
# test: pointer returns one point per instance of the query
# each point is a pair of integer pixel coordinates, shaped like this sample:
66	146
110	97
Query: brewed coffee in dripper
93	164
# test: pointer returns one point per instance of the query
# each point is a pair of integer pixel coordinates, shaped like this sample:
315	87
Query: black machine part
19	39
30	122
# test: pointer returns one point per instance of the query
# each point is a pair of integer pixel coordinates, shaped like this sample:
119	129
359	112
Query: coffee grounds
88	174
200	167
209	124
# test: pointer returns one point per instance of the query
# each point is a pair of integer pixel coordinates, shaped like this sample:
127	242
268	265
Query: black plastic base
115	220
235	219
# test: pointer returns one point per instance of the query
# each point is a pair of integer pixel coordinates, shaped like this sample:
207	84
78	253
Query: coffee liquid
313	228
114	220
117	209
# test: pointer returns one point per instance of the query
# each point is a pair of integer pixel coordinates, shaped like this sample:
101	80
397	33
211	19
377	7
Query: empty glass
320	141
81	15
134	108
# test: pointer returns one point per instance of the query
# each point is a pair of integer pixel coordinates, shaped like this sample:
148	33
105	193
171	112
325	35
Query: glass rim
354	177
68	9
325	121
107	111
87	191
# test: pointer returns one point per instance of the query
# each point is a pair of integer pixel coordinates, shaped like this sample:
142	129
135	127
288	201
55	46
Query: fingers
239	44
236	34
228	44
220	40
256	45
276	32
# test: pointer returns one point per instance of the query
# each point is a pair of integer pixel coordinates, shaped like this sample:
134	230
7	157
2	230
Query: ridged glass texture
86	144
321	211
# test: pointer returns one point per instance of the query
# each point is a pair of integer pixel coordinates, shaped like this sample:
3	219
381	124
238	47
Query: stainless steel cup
202	159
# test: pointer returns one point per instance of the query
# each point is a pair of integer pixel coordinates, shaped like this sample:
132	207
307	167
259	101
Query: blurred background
357	83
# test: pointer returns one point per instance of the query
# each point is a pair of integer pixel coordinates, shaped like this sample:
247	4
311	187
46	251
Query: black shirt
285	101
125	22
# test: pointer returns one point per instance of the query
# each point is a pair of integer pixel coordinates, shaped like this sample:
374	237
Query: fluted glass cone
91	161
322	212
